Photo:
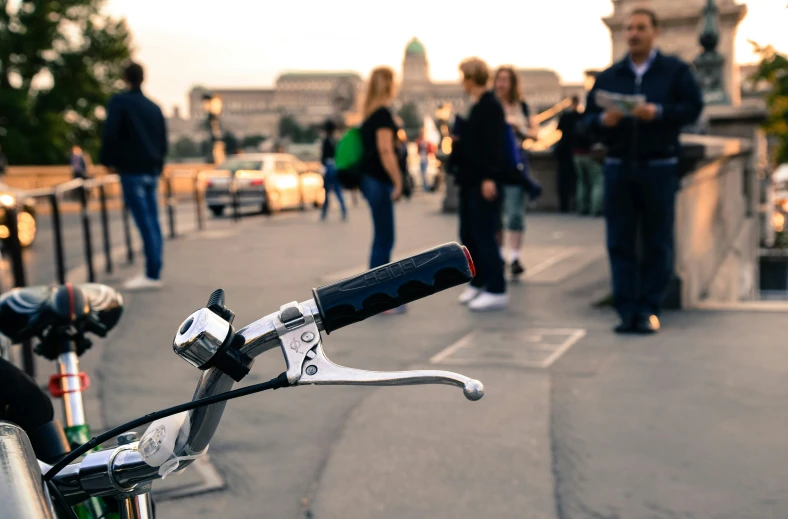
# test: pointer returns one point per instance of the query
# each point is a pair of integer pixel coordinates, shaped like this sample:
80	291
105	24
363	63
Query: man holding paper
639	106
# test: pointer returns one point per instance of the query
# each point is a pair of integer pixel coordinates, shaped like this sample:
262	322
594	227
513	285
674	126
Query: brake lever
307	364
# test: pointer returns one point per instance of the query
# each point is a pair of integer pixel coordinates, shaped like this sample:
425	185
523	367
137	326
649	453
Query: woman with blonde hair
518	116
381	178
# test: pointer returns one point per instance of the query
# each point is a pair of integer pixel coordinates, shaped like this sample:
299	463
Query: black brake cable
274	383
61	500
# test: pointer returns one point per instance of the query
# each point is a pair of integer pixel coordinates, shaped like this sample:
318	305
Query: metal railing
85	190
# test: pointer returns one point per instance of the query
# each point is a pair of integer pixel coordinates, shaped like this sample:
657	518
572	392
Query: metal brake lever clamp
307	364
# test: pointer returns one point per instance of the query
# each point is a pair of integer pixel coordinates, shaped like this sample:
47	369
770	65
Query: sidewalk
562	393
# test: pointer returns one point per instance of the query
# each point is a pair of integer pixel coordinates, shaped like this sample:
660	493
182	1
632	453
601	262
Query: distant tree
230	143
185	147
773	70
252	141
59	64
411	119
289	127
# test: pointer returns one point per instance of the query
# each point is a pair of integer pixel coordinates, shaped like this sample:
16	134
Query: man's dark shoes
626	325
516	268
648	324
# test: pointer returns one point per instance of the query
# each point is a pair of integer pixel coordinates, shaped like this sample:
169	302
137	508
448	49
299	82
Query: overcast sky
248	43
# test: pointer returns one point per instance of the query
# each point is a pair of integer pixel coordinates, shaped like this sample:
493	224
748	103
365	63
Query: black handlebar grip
384	288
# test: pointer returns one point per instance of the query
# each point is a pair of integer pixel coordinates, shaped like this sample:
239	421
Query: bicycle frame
68	385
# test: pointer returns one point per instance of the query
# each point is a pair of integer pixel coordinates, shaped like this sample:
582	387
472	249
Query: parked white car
269	181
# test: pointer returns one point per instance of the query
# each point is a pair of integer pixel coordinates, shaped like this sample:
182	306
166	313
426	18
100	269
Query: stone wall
38	177
716	232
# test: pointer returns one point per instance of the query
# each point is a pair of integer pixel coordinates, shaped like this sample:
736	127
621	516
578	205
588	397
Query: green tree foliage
185	147
253	141
411	119
230	143
773	70
290	129
60	61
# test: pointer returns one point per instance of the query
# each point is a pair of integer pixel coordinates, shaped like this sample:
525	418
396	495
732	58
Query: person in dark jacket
641	169
135	145
567	175
481	168
588	187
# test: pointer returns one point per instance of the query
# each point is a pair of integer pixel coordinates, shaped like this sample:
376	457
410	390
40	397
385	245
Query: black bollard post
105	229
83	198
57	234
198	203
127	232
18	269
170	205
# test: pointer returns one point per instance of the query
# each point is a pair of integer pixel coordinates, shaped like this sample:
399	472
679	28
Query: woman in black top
330	181
381	179
482	165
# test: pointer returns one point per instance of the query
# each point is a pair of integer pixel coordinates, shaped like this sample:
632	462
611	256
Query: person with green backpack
366	158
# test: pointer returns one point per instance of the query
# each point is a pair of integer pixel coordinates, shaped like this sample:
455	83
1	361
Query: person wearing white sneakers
134	145
481	166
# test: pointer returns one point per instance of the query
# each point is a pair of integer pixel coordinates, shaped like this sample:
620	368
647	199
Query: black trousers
479	219
640	199
567	179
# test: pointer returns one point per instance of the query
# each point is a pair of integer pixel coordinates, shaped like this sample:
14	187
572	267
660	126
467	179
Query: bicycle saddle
32	311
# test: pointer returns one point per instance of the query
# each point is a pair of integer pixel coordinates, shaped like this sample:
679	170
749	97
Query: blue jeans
514	208
640	199
423	166
378	195
140	193
330	183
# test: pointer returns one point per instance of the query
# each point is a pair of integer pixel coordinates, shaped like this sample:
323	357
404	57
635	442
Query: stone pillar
680	22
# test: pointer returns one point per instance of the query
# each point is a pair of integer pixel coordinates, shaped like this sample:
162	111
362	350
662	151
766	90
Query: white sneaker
142	282
469	295
487	301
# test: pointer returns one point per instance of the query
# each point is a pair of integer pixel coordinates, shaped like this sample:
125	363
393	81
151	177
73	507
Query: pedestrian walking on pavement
134	145
330	181
423	147
518	116
381	178
481	168
79	168
641	169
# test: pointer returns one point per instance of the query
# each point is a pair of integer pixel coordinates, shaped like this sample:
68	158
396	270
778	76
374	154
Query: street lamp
212	105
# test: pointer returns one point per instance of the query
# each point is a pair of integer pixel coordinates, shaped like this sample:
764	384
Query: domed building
415	67
542	88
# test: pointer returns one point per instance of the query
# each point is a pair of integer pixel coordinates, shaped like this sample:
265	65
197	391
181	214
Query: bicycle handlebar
384	288
207	340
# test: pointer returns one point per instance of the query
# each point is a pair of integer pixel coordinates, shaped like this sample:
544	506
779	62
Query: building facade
312	97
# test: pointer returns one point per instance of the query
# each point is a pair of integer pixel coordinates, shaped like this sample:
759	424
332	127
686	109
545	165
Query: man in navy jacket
641	169
135	146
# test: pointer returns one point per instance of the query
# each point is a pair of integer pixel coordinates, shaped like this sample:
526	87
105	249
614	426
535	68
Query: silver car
269	181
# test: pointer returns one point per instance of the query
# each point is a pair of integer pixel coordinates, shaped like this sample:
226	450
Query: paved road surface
576	422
